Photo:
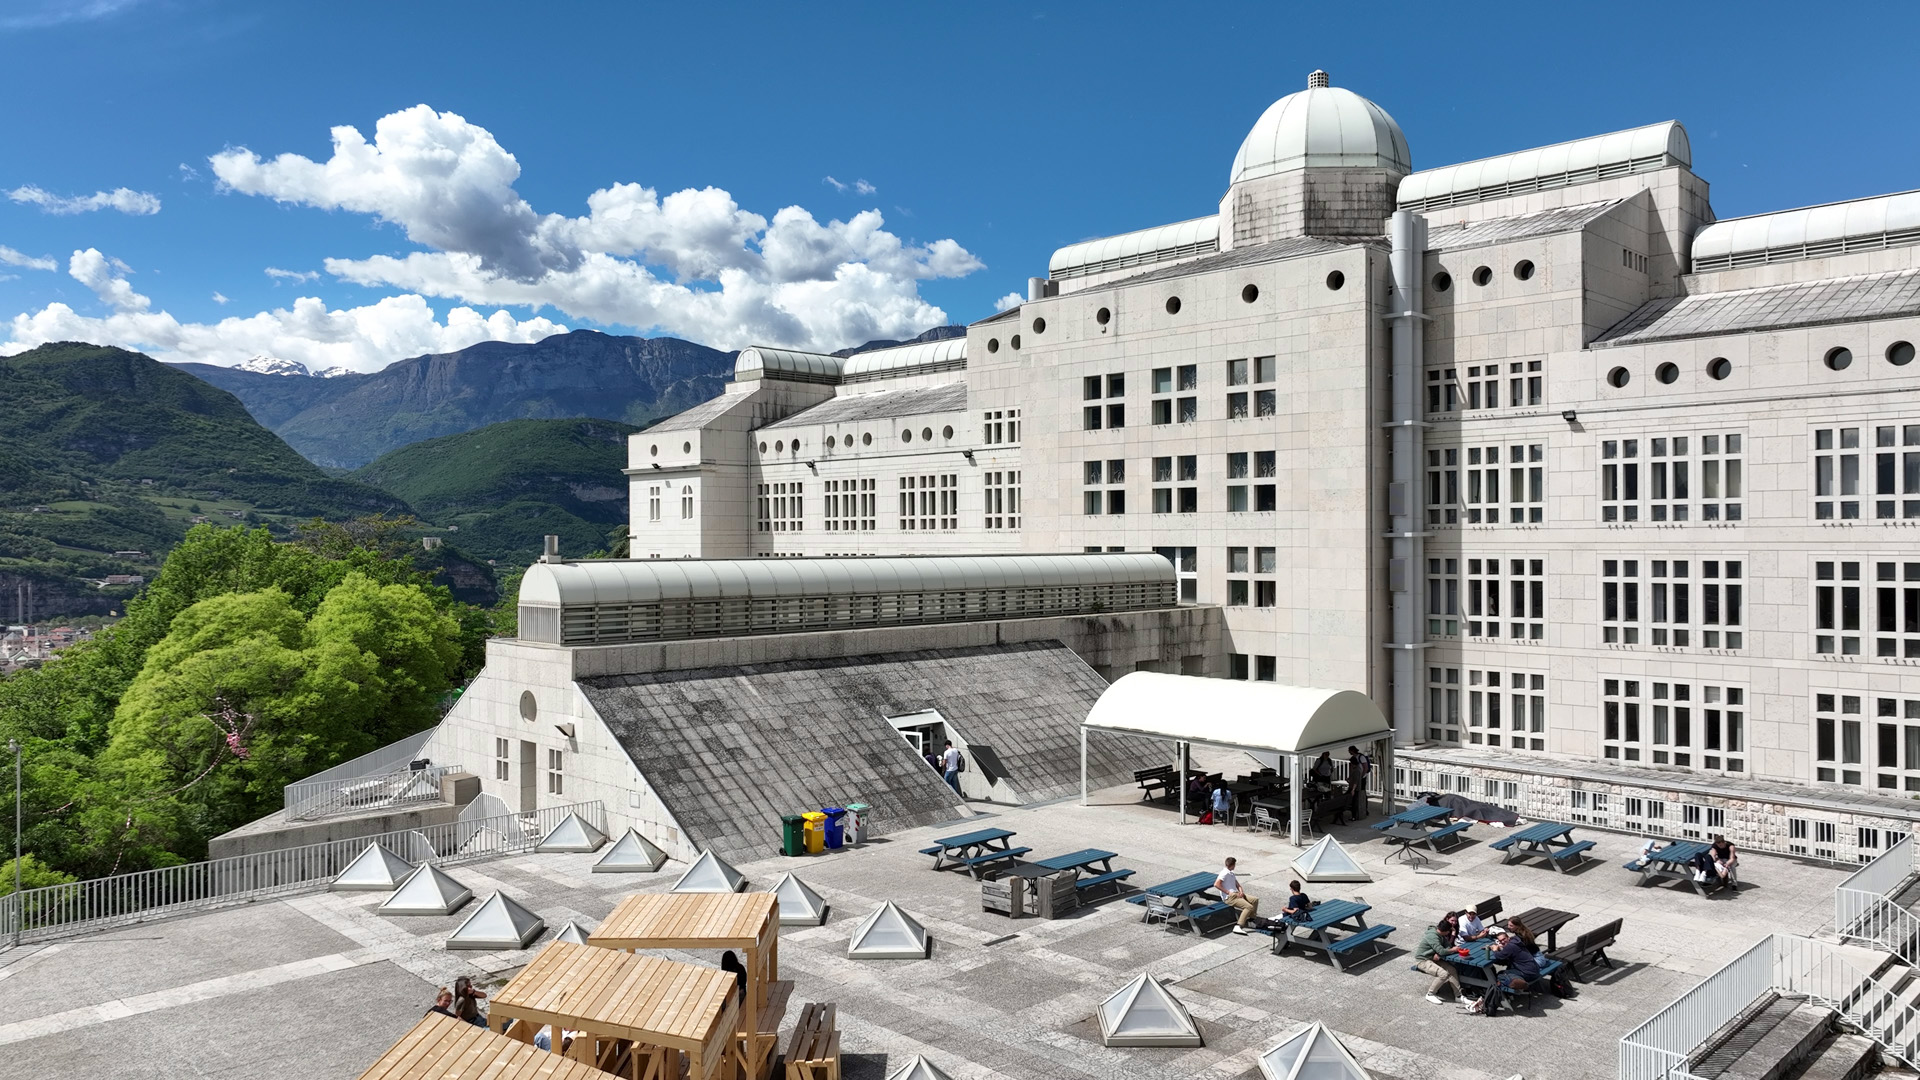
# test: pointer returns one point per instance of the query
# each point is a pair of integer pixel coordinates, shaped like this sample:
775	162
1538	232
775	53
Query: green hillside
500	488
107	451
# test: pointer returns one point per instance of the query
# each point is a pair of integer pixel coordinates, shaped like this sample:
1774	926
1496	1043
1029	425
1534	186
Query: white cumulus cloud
220	298
125	200
15	258
1011	300
693	263
361	339
292	275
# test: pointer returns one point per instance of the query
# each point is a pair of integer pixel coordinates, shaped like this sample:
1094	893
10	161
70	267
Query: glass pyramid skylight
1145	1013
500	923
572	834
799	905
888	934
709	873
1328	861
631	854
1312	1053
918	1068
426	891
374	870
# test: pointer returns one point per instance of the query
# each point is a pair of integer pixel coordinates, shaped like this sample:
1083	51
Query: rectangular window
1443	597
1163	380
1236	373
653	503
1673	603
1836	608
848	505
500	759
1506	598
1687	725
1237	406
1186	410
1162	411
556	781
1237	666
1002	498
778	507
1265	669
1186	570
1000	427
1264	369
1090	388
1443	486
1264	403
1443	704
1189	376
1838	730
1090	418
1116	416
1836	474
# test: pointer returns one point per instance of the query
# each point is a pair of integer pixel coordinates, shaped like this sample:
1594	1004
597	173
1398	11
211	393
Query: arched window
686	503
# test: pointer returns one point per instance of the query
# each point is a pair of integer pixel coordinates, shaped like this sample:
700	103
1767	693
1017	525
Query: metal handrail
354	794
387	759
85	906
1864	909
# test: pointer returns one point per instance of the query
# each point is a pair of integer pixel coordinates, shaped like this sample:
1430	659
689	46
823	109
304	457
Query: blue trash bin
836	827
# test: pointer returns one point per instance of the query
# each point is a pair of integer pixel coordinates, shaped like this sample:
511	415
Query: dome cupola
1323	126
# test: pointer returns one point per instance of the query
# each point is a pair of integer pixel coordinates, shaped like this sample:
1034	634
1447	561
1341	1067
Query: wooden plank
440	1047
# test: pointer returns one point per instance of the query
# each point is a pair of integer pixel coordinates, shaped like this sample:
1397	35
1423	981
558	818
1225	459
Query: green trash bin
793	839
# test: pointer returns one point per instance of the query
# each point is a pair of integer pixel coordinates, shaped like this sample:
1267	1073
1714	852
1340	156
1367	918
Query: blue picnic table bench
974	851
1549	840
1095	865
1477	969
1675	862
1173	901
1420	814
1316	928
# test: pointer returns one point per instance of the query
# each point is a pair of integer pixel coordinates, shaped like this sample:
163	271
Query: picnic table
1675	862
1544	923
1094	865
1317	928
1175	900
1549	840
1476	969
1421	814
975	850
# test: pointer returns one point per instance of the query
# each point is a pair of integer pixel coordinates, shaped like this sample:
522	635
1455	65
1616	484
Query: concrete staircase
1784	1038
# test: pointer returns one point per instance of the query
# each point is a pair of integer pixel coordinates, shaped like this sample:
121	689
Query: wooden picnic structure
442	1047
636	1016
748	923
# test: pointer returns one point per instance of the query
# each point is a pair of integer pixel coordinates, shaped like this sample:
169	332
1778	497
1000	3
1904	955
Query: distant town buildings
27	646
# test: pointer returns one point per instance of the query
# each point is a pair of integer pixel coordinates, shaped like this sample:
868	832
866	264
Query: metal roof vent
1318	80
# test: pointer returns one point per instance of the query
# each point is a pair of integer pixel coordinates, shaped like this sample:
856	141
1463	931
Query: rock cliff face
347	421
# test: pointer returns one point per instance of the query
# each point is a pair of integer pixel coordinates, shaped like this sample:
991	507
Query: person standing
950	766
1228	884
1323	768
1428	958
1359	769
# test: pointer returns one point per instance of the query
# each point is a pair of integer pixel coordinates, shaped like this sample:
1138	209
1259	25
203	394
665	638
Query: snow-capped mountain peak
336	372
273	365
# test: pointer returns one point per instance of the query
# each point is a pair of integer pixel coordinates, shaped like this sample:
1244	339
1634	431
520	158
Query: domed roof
1323	126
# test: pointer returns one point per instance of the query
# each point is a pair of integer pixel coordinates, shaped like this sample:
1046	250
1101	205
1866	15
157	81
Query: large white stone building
1571	477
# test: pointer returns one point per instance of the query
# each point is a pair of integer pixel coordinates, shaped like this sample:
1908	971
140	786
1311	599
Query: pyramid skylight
918	1068
1312	1053
573	833
500	923
888	934
709	873
572	932
1145	1013
631	854
1328	861
799	905
374	870
426	891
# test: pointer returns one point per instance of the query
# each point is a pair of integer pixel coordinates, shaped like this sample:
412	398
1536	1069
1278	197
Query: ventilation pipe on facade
1408	233
1039	288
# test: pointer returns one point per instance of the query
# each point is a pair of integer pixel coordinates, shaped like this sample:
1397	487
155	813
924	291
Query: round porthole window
1900	353
1839	359
907	435
1719	368
529	708
1482	275
1103	316
831	442
1667	373
1173	305
926	434
1618	377
1014	341
1039	326
654	449
686	448
1523	269
993	344
1250	293
795	448
947	432
779	447
1442	281
1336	281
763	448
867	439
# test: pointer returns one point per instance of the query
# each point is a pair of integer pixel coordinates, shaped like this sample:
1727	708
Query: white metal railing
353	794
1864	908
390	758
1664	1047
86	906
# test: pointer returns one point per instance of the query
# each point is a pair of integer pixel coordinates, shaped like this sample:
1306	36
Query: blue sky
983	136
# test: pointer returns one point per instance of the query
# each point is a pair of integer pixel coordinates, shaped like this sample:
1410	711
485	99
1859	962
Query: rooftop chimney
552	554
1318	80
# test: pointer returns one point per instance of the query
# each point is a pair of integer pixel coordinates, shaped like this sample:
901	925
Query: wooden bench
1590	947
1159	779
1488	909
1373	935
979	863
814	1051
1457	829
1558	856
1114	879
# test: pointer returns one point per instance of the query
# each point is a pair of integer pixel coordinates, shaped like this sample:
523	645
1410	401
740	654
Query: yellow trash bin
816	829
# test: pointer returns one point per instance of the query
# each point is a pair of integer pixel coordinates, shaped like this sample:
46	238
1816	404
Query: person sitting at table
1222	804
1228	883
1471	928
1520	930
1298	906
1427	958
729	961
1706	870
467	1001
1521	971
1649	849
443	1003
1725	858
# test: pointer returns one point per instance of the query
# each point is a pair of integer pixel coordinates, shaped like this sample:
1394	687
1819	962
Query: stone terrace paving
318	985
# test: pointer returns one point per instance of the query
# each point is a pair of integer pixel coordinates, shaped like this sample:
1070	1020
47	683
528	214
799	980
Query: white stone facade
1642	619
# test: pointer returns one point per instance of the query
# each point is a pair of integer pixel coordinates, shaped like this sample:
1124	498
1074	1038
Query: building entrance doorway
529	776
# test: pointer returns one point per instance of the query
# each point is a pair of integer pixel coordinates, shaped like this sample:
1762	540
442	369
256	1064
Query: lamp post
19	911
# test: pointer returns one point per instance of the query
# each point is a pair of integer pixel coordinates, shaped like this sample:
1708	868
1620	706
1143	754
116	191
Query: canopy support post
1180	749
1295	783
1083	765
1385	783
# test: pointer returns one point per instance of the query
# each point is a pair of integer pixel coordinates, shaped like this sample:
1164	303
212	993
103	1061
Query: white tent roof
1145	1013
1312	1053
888	934
1244	715
918	1068
1328	861
631	854
574	833
500	923
572	932
709	874
426	891
799	904
374	870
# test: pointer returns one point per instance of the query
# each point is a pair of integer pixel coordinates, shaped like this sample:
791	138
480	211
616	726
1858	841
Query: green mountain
499	489
108	456
349	420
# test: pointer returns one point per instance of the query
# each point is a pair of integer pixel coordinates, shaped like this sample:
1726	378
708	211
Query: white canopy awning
1242	715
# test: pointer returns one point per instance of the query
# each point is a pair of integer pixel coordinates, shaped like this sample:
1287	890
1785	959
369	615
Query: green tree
416	651
34	874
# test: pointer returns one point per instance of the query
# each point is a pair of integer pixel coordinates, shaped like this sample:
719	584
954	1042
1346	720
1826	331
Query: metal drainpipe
1408	233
